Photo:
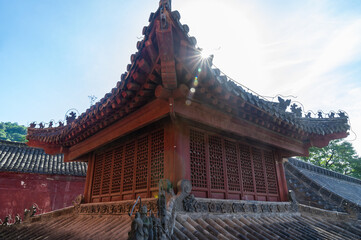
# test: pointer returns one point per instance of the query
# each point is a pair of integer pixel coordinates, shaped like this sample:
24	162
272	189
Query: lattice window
197	150
246	168
129	166
157	157
258	170
98	169
216	162
117	169
232	166
271	172
106	172
141	177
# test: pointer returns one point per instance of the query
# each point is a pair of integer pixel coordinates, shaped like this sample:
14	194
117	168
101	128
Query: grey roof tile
18	157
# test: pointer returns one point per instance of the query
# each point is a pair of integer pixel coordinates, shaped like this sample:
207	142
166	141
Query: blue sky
54	54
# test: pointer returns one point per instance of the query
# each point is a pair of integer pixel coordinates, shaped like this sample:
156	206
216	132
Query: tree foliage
338	156
12	132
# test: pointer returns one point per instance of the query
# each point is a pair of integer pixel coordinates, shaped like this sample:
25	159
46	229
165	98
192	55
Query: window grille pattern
157	157
98	168
216	162
270	172
141	175
198	159
248	171
246	166
232	166
106	172
129	166
258	170
117	169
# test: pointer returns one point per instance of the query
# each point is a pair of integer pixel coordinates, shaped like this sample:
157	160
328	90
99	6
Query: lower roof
110	221
18	157
333	186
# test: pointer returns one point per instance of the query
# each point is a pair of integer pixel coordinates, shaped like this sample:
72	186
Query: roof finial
166	4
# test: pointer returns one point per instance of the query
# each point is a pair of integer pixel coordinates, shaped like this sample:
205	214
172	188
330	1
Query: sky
55	54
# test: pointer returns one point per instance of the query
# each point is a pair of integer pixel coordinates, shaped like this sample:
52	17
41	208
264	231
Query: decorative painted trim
115	208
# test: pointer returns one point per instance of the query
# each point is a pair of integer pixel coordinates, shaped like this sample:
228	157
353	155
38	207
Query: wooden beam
166	53
226	122
151	112
152	53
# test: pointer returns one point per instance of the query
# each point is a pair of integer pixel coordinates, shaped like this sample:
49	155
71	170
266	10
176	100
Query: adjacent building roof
319	187
18	157
150	72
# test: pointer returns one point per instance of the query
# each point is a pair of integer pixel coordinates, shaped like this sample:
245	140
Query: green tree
12	132
338	156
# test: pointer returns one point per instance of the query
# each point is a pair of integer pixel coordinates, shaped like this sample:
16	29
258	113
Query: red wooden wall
225	168
129	168
50	192
218	166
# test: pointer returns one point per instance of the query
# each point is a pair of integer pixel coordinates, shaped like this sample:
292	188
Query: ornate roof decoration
168	64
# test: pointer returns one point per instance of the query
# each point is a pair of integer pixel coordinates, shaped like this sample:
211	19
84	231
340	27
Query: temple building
174	120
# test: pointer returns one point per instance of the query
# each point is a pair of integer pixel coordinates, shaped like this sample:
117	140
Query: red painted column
281	179
89	179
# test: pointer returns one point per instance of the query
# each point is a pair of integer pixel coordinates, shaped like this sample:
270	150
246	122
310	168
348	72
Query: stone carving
32	125
214	207
184	199
283	104
114	208
319	114
201	207
77	201
5	222
273	208
308	115
168	203
188	203
147	223
281	208
341	114
70	118
296	110
30	212
136	232
146	227
226	207
292	199
17	219
191	204
238	207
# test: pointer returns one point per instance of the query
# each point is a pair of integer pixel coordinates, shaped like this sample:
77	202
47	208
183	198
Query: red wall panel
50	192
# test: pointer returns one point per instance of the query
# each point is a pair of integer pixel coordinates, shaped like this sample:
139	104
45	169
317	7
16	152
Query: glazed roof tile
342	187
105	112
18	157
66	224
